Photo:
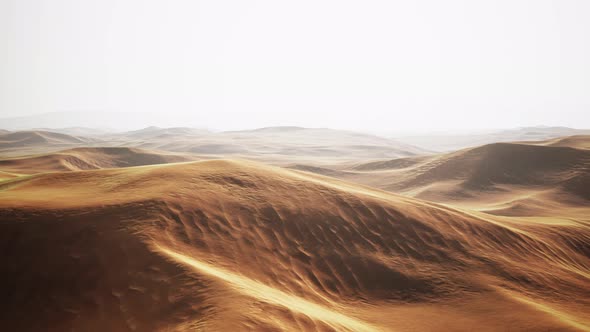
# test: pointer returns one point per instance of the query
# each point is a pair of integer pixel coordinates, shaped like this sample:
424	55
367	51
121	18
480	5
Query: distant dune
273	144
88	158
23	142
542	178
24	138
577	141
502	163
240	246
157	132
78	131
450	142
399	163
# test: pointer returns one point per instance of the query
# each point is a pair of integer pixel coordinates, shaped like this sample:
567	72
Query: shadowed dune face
235	245
503	163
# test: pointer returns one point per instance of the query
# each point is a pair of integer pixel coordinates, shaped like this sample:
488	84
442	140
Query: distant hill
272	143
87	159
536	178
500	163
163	133
451	142
100	119
577	141
22	141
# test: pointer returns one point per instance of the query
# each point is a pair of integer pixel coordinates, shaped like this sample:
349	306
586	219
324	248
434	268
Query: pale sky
371	65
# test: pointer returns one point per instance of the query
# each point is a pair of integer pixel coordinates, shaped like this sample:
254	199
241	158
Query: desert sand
534	179
242	246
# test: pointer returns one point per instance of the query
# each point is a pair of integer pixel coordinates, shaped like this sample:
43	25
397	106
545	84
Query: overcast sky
372	65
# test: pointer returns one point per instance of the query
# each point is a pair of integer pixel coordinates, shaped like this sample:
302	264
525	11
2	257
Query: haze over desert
287	166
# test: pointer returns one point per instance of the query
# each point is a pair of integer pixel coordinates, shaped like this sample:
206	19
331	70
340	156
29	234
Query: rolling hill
277	145
449	142
241	246
24	142
532	178
576	141
89	158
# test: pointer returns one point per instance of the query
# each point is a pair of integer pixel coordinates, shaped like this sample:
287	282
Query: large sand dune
240	246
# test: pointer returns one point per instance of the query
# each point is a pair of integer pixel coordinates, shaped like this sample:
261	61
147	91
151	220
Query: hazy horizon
129	121
377	66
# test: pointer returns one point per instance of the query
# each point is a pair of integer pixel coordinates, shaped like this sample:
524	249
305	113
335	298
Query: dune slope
526	179
236	245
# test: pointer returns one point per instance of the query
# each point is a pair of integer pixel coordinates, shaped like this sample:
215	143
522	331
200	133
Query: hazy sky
378	65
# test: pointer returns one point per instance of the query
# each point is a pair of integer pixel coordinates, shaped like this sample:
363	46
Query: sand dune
577	141
157	132
25	142
450	142
277	145
241	246
545	178
88	158
23	138
282	143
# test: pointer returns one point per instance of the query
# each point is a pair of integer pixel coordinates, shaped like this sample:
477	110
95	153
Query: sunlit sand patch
558	314
274	296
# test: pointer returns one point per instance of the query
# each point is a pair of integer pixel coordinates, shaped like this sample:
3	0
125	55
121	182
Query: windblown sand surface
242	246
